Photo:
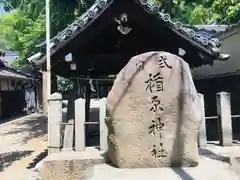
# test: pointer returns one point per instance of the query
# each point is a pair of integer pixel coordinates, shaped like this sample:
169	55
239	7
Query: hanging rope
91	86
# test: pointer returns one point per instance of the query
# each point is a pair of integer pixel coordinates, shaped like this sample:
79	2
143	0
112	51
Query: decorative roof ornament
123	24
102	4
144	2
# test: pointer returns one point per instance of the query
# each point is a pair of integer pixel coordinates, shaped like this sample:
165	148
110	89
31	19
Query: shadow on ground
5	120
212	155
182	174
35	126
6	159
37	159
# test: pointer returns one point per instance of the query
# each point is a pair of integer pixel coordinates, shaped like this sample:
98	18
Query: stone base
89	165
204	171
70	165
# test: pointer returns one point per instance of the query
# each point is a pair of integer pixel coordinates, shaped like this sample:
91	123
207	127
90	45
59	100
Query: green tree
24	27
203	11
3	45
21	33
226	11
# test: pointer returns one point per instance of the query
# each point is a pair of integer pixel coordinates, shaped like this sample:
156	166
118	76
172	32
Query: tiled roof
211	31
4	73
208	43
230	40
7	71
10	56
217	31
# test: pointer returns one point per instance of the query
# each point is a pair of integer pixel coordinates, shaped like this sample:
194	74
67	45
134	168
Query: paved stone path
21	140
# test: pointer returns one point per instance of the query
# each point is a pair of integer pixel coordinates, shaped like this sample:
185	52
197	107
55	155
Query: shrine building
96	46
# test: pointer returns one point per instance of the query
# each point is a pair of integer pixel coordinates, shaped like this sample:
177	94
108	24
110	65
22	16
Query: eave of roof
210	45
219	31
231	30
8	74
222	69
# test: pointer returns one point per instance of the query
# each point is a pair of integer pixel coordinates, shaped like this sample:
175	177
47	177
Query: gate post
102	124
80	118
224	119
202	135
54	123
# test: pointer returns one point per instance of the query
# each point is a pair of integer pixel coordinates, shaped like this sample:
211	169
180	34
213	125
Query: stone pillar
224	119
80	118
103	128
202	135
54	123
44	92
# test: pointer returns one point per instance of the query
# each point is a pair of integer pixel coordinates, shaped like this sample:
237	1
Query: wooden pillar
38	94
202	135
44	92
88	98
54	123
53	83
224	119
69	129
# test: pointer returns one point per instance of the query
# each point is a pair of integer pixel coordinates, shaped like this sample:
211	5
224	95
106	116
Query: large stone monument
154	114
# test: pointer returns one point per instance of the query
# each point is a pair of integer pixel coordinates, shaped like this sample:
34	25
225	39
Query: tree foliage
24	26
3	44
22	33
226	11
203	11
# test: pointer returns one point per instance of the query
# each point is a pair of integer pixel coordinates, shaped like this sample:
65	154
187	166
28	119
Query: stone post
224	119
102	124
202	135
80	118
54	123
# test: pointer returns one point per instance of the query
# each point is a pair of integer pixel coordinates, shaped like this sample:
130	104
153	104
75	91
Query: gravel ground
21	140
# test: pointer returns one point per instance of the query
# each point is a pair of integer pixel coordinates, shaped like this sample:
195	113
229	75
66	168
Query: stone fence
66	134
70	135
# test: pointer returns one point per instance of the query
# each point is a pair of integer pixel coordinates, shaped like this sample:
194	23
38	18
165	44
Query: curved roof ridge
209	44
